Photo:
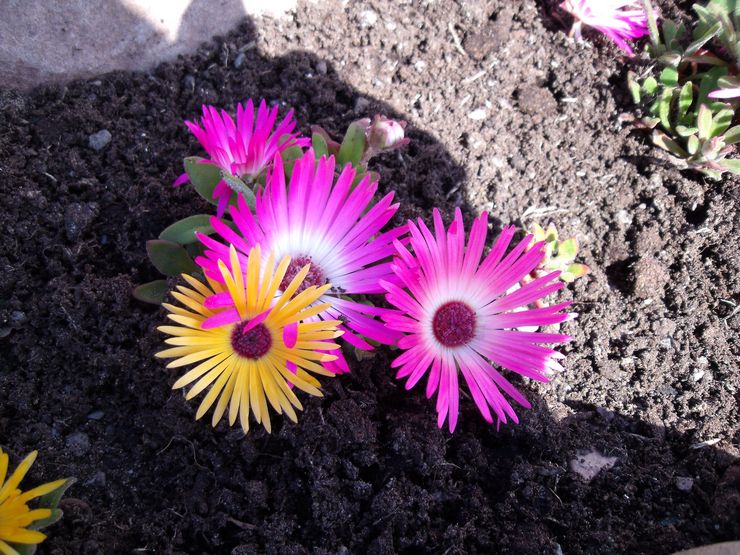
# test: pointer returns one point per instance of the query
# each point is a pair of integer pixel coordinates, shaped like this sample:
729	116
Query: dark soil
650	375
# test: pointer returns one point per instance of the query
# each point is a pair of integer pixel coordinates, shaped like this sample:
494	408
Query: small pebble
321	67
77	218
78	443
588	465
98	141
478	114
698	374
684	483
239	60
368	18
188	83
96	415
98	479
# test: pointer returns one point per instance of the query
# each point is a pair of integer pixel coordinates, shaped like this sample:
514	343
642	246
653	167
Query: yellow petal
18	475
200	287
211	396
38	491
210	377
5	549
201	369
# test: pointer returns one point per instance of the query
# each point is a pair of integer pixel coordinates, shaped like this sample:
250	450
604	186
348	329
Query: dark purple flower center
254	343
314	277
454	324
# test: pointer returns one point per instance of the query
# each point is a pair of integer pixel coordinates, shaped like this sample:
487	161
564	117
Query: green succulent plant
694	128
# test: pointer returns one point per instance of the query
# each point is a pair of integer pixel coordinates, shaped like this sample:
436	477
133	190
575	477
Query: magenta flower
244	149
620	20
332	226
458	316
723	94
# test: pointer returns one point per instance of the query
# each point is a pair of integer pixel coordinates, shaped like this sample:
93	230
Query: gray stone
98	141
239	60
684	483
78	443
77	218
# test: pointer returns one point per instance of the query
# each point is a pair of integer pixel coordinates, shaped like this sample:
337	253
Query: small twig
456	39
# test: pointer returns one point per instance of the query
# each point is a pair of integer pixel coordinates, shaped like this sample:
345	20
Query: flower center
254	343
454	324
314	277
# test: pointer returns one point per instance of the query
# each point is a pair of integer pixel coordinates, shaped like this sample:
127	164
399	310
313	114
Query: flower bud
386	134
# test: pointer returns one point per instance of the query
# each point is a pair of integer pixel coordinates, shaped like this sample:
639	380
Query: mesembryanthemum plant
691	104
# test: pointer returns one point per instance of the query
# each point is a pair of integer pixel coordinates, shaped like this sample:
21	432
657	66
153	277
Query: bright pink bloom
332	226
458	316
620	20
725	93
244	149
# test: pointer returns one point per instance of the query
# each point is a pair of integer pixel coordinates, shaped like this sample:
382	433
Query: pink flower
331	225
725	93
620	20
244	149
458	317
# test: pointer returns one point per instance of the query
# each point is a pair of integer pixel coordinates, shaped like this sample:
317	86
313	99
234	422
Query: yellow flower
15	514
250	341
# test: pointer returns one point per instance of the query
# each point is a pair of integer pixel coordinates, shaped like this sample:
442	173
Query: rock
368	18
188	83
239	60
684	483
78	443
321	67
588	465
17	318
98	479
536	101
649	278
478	114
361	104
96	415
77	218
492	36
98	141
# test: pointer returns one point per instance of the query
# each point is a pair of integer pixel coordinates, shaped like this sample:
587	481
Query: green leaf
51	500
670	30
183	232
665	142
153	292
169	258
239	188
290	155
568	249
353	145
684	131
721	122
24	549
708	84
203	175
704	122
652	23
733	135
669	76
685	98
664	109
650	85
732	165
320	148
692	48
692	144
